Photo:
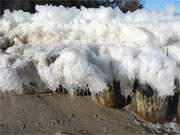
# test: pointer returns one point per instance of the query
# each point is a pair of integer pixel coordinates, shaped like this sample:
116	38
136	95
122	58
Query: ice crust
89	48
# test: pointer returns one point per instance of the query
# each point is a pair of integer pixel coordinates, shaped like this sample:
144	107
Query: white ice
80	48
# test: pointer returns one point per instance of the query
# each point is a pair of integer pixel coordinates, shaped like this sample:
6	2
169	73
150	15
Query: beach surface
58	114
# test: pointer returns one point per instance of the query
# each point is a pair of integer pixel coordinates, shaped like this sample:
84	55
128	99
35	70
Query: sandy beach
46	114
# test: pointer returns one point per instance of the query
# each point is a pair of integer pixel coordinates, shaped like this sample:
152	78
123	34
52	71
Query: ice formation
80	48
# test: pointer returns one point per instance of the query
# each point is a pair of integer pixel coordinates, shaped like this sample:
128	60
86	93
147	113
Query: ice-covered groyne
91	47
101	52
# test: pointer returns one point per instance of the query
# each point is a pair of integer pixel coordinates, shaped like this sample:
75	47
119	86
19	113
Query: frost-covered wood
112	97
151	107
105	98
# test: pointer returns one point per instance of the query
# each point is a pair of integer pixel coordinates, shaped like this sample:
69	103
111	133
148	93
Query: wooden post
148	105
152	109
111	98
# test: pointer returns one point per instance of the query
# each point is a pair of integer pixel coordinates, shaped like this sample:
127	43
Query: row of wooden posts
144	102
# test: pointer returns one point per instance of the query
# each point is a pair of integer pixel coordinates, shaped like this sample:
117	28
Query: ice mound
90	48
18	74
71	66
104	25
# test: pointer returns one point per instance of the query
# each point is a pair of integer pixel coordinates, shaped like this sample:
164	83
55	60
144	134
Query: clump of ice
72	67
9	80
158	70
80	48
17	74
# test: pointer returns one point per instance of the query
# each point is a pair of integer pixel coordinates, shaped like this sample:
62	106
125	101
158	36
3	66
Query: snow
17	74
156	128
80	48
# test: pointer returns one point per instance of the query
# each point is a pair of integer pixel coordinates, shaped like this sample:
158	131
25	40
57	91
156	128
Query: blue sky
160	4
